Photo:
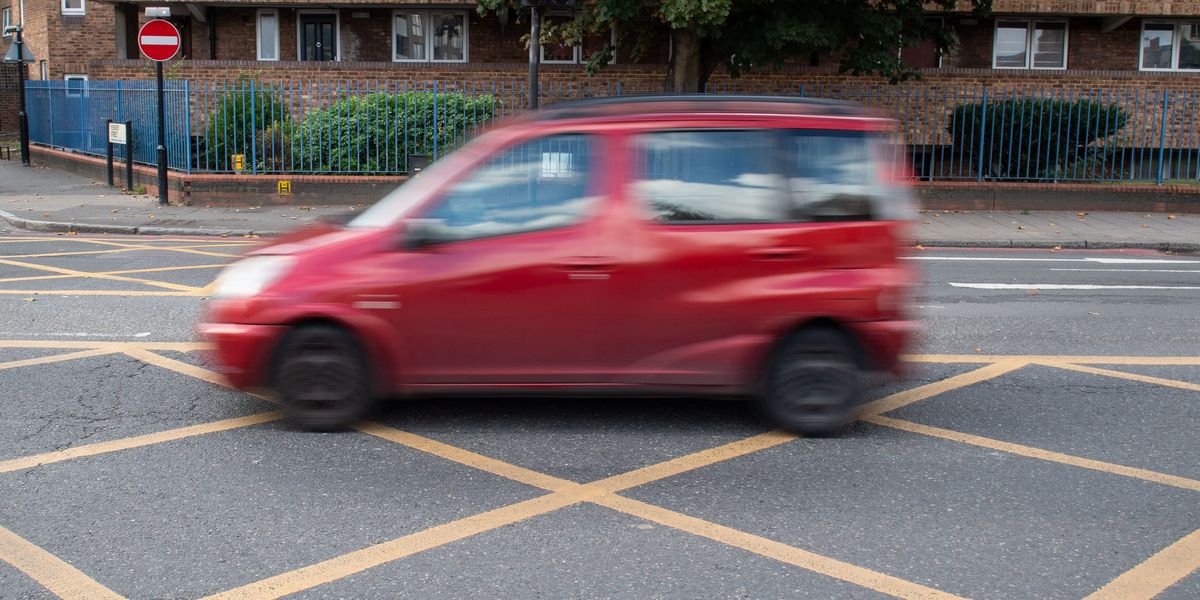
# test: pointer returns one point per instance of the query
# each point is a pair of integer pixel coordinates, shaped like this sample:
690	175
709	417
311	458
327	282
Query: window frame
6	20
1030	30
258	15
82	10
595	187
428	13
1176	43
782	194
83	90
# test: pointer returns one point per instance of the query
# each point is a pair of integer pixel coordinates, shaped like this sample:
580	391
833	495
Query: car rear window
835	175
709	176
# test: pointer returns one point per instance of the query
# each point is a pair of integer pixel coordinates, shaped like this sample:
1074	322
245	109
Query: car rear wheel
322	378
813	382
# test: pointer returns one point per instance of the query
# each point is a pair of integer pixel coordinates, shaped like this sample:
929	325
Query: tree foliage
749	34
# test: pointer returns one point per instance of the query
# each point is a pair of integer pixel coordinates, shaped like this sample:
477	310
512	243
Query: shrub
234	126
375	133
1032	138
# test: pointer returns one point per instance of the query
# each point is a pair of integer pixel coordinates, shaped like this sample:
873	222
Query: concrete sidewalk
40	199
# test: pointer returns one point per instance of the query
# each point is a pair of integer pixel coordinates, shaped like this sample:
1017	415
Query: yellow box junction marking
1145	580
52	572
1155	574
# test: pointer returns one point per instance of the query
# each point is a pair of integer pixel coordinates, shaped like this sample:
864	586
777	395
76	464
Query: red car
694	245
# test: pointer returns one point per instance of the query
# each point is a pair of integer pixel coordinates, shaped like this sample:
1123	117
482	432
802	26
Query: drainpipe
212	33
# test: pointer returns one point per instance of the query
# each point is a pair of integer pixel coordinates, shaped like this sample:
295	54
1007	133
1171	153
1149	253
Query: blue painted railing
381	127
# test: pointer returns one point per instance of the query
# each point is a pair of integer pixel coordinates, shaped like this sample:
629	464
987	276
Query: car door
719	260
508	295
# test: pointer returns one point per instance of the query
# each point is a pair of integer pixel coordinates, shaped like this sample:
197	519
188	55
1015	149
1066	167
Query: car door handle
587	263
587	267
780	253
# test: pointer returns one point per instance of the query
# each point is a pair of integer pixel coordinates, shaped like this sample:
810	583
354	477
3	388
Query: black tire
322	378
813	383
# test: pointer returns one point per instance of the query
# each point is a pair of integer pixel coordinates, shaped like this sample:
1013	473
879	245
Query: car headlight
250	276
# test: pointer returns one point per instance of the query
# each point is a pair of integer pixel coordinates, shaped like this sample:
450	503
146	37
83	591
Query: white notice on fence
116	133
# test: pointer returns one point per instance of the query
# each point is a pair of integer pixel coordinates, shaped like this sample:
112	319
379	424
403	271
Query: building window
558	52
1030	45
6	21
268	34
73	7
76	85
429	36
1170	46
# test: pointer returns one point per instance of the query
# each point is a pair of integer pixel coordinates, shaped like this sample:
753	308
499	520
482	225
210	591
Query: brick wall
1094	7
78	39
1088	46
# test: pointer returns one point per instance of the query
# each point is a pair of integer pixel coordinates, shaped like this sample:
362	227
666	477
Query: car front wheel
322	377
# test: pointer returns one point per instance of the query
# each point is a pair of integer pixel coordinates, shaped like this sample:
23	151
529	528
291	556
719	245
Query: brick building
1152	41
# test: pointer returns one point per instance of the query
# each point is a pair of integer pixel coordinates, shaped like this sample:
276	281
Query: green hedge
239	120
376	132
1034	139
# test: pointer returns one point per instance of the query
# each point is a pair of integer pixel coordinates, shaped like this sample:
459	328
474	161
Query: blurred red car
694	245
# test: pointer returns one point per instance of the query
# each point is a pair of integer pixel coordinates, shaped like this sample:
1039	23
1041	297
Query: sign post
159	41
117	134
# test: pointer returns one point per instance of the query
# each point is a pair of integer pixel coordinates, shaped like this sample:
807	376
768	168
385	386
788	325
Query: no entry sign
158	40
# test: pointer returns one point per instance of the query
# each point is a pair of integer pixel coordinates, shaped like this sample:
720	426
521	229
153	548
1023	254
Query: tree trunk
685	69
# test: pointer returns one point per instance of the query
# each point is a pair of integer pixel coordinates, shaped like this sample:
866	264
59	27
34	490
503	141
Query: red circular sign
158	40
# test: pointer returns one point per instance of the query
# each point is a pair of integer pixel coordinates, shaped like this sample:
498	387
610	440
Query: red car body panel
616	301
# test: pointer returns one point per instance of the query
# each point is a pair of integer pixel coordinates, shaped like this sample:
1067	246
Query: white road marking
82	334
1109	261
1131	270
1060	286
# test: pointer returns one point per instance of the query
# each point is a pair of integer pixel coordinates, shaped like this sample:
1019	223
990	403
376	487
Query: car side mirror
419	234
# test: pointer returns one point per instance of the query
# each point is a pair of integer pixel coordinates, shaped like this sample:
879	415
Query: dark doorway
318	37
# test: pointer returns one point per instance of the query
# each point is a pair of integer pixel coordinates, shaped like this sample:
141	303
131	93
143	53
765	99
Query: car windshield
402	199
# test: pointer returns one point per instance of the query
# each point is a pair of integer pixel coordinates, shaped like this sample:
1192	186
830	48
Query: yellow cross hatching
1146	580
38	271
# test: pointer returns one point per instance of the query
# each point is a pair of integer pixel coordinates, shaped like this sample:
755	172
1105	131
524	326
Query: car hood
313	237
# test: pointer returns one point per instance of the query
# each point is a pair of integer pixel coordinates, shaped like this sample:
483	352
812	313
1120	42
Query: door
510	296
734	240
318	37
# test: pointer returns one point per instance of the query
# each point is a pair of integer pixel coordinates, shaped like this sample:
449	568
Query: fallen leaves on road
926	223
1033	291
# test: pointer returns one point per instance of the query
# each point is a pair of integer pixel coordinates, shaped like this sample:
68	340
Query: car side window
833	175
709	176
540	184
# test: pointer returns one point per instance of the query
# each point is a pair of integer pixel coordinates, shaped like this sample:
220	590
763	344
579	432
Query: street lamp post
17	54
535	44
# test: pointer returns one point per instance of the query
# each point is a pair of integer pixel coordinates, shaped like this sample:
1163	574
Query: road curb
1071	245
64	227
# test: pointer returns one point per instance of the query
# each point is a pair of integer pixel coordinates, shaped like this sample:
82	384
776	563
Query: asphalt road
1043	446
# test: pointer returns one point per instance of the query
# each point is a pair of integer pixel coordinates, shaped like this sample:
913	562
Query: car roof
617	106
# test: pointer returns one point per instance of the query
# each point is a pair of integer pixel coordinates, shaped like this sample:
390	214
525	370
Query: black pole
129	156
162	137
22	116
535	45
212	33
109	153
